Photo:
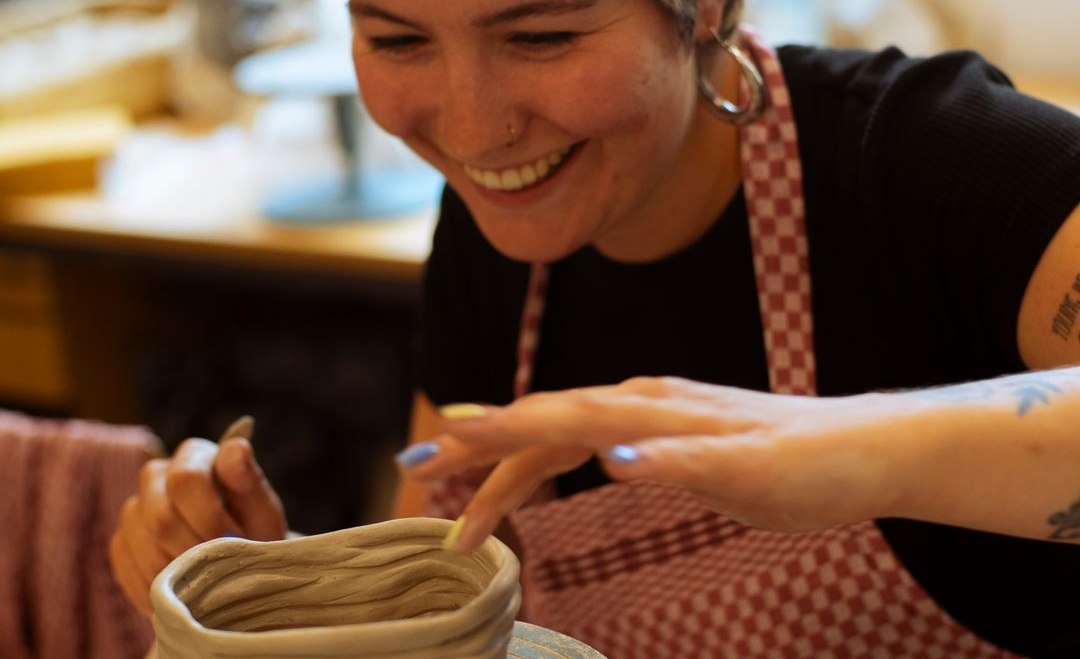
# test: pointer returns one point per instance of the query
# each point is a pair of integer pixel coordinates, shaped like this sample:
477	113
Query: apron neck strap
773	185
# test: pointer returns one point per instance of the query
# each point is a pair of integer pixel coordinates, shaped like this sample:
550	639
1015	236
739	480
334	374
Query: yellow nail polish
452	535
462	411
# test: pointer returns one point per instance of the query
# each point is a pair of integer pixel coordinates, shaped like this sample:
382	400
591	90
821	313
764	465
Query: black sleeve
971	179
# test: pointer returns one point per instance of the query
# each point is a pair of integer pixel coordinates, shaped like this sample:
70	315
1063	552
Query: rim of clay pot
407	634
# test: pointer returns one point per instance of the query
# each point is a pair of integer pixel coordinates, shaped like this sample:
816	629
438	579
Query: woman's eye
543	40
399	44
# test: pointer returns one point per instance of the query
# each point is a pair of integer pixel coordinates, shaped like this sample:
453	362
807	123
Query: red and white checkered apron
645	570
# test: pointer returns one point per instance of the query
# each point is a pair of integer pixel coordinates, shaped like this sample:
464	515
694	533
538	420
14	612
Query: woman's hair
685	12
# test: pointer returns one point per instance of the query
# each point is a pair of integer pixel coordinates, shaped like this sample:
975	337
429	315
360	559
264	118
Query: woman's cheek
387	101
623	99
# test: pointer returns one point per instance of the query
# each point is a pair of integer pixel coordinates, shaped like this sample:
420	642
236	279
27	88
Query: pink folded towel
62	484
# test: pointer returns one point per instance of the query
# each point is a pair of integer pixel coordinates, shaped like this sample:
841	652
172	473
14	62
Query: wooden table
388	249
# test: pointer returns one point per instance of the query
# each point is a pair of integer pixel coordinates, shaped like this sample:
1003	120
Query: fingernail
417	454
450	542
622	455
463	411
242	427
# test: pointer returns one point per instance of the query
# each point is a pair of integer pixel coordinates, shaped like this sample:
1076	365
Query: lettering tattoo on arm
1067	313
1066	523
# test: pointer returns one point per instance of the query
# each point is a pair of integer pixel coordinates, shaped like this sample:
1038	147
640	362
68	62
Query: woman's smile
523	177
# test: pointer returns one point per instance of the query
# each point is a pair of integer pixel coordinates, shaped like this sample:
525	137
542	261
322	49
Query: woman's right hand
204	491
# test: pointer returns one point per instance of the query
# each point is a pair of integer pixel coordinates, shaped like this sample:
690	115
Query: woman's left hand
783	463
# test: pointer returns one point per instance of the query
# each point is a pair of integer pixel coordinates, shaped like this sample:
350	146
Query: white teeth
519	177
512	180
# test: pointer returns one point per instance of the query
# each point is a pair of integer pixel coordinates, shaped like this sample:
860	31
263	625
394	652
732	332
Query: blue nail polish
417	454
622	455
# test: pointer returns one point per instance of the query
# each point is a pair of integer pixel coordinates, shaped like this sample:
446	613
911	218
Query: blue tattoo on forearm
1029	390
1032	393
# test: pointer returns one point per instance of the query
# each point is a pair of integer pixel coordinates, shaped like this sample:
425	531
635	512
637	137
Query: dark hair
685	13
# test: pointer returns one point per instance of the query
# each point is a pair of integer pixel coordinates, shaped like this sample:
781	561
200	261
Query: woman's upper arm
1048	328
425	424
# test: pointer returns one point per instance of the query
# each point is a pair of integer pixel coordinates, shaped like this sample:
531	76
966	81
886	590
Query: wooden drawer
32	366
25	284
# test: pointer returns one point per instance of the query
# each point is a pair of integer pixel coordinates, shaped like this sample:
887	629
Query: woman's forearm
999	455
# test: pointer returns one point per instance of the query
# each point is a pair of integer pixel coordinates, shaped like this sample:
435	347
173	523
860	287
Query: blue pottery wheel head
532	642
375	194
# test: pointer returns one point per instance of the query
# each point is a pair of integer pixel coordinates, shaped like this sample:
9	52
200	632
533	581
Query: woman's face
557	121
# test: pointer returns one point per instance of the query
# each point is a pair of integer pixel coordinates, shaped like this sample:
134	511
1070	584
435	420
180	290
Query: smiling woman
619	208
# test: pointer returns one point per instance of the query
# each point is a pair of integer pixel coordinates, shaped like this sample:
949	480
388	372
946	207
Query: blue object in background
362	195
323	68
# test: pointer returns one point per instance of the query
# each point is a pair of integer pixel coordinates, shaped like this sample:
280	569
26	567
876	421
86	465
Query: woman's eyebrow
534	8
360	8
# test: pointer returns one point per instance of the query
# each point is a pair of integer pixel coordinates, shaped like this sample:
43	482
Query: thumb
250	497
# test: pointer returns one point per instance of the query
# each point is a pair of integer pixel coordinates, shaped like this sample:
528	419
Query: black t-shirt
932	188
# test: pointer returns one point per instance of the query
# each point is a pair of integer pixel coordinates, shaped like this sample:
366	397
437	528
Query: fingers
157	513
191	487
596	417
152	530
132	581
148	557
446	455
510	485
203	492
136	556
249	496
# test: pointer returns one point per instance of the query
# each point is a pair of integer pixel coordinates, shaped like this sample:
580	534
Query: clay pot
385	590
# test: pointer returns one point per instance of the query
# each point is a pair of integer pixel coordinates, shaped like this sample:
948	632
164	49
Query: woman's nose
474	115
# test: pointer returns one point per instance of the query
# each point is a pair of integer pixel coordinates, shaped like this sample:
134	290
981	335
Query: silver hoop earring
728	111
